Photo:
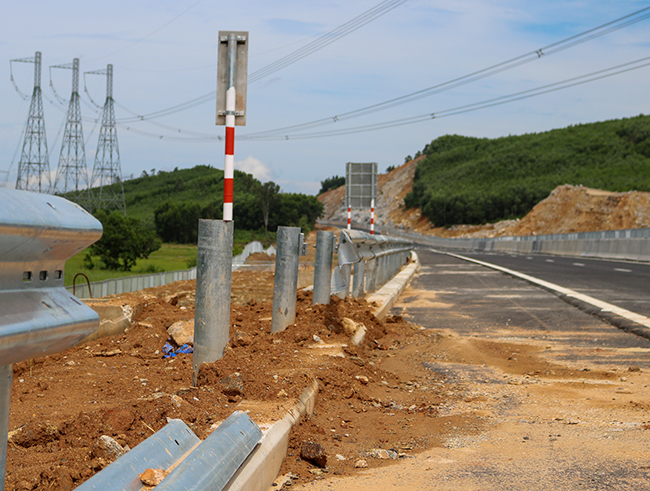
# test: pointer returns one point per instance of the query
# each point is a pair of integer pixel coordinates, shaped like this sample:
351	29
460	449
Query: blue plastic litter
169	351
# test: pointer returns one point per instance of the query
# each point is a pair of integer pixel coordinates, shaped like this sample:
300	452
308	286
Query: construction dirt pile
567	209
371	397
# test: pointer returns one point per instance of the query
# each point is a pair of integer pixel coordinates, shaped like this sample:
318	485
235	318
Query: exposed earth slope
567	209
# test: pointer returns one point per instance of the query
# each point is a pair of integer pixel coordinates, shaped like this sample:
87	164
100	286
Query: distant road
625	284
622	283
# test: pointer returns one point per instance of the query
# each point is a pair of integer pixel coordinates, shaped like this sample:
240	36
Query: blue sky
162	59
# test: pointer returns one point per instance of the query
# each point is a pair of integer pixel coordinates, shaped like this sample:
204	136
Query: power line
497	101
324	40
148	35
553	48
517	96
556	47
335	35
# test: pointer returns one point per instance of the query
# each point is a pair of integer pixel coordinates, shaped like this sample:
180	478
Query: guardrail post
6	372
213	281
357	279
371	275
286	278
323	267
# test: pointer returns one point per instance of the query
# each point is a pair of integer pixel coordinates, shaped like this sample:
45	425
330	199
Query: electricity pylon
108	192
34	165
71	174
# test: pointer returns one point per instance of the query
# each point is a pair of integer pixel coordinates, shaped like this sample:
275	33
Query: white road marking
603	306
578	264
550	261
623	270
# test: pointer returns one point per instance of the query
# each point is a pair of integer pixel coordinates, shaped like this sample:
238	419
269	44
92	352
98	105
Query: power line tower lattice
108	192
71	174
34	165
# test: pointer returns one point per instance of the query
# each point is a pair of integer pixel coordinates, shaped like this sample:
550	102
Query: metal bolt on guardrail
323	266
286	277
213	284
383	254
38	233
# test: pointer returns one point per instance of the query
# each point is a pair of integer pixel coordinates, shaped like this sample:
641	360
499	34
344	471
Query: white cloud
251	165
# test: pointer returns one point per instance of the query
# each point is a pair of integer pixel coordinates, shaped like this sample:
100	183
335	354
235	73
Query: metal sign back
241	79
360	184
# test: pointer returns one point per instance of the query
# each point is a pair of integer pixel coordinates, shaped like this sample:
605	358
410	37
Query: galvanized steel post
357	279
5	397
213	281
323	267
371	275
286	278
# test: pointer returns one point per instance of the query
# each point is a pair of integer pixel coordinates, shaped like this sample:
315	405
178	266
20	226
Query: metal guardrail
625	244
630	244
38	233
376	259
117	286
197	466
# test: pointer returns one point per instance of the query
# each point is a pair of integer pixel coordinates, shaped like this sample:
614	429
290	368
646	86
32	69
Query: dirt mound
260	257
567	209
123	387
579	209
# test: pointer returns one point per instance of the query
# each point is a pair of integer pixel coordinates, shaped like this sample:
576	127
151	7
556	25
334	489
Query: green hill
466	180
172	202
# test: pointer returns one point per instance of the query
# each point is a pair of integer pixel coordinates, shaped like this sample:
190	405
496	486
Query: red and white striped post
372	217
349	218
229	161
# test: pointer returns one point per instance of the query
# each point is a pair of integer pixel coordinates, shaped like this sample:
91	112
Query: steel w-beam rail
38	317
358	247
161	450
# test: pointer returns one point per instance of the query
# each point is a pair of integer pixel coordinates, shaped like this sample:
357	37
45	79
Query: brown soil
567	209
121	386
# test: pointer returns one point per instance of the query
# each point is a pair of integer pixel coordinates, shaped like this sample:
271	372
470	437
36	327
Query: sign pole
231	98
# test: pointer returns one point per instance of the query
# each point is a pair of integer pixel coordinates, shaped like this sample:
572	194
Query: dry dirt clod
232	385
107	448
242	339
34	434
382	454
313	452
152	477
182	332
361	464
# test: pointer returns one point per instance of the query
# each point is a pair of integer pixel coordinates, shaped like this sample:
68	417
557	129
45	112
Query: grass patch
170	257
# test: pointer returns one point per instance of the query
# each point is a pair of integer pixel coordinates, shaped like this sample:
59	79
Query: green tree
268	198
123	242
331	183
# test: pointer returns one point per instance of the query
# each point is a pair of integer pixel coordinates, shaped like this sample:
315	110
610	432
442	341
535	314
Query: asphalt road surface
622	283
561	397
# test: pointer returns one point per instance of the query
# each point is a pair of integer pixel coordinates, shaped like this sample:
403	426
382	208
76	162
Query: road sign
239	71
360	184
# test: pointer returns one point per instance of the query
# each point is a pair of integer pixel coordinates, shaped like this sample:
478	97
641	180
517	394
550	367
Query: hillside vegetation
172	203
466	180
